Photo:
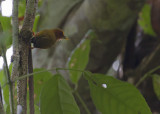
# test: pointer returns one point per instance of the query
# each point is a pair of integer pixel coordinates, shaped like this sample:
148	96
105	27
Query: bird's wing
43	42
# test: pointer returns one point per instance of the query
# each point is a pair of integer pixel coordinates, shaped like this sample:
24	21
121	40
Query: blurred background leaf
21	8
36	23
156	84
6	23
6	34
145	20
6	39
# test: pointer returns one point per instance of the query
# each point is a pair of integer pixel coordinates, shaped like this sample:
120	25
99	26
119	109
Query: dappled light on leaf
145	20
104	85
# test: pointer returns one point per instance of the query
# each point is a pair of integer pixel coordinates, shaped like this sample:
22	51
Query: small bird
47	38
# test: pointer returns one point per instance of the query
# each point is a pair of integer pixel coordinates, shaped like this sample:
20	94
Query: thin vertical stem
1	102
82	102
15	42
9	81
31	83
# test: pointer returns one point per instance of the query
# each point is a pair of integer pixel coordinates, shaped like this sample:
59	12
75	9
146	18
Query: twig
82	102
28	75
31	83
1	102
68	69
147	75
31	74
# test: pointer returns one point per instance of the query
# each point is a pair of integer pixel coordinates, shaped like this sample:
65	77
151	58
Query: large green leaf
145	20
156	84
39	80
56	97
79	59
112	96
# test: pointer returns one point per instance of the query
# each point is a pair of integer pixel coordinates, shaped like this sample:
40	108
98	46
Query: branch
82	102
24	46
31	83
147	75
15	32
15	29
147	64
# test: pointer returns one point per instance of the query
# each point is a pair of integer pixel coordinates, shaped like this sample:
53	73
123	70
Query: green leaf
156	84
3	80
56	97
37	111
112	96
145	20
5	36
21	8
36	23
5	39
5	89
79	59
8	110
39	80
6	23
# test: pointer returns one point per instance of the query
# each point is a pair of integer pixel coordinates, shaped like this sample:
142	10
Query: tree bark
22	48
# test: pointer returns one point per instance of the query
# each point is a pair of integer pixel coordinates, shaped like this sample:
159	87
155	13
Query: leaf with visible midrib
56	97
79	59
117	98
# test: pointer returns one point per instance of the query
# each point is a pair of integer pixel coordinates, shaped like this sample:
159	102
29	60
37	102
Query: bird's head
59	34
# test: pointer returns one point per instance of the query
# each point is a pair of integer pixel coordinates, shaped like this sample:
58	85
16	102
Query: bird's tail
33	40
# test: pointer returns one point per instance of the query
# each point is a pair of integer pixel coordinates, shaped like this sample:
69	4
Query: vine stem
30	74
82	102
147	75
31	83
9	82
